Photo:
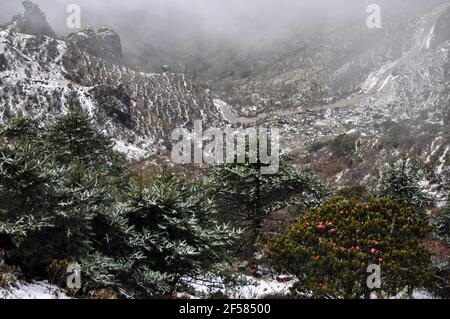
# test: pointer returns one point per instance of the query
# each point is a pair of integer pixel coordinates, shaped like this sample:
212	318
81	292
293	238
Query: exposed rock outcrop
32	21
103	43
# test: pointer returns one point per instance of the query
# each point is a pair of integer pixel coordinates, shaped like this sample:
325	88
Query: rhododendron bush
330	249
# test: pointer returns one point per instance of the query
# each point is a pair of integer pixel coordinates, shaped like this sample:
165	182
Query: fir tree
441	221
246	197
27	189
49	208
174	233
401	182
74	137
75	141
81	198
22	128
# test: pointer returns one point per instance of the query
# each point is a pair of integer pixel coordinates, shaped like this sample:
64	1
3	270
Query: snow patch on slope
131	151
34	290
430	38
375	77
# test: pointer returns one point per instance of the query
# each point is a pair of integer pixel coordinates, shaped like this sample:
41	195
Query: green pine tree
74	138
247	197
401	182
52	203
442	223
22	128
174	233
27	189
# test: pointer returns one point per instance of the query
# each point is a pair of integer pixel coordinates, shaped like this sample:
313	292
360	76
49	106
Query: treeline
67	197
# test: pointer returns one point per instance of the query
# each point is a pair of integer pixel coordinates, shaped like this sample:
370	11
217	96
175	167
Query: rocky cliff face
32	21
104	43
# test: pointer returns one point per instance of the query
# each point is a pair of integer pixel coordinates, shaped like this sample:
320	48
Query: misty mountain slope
388	90
43	77
330	67
402	112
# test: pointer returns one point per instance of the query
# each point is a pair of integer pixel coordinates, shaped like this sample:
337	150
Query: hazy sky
234	17
170	24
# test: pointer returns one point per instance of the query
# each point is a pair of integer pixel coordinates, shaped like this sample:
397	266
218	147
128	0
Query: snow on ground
260	288
34	290
442	160
417	294
430	38
131	151
254	288
376	77
141	149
